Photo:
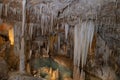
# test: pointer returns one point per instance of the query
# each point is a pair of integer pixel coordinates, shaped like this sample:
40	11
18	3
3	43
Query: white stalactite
41	7
22	57
30	54
52	21
83	35
13	10
66	30
75	44
42	23
17	36
31	30
22	50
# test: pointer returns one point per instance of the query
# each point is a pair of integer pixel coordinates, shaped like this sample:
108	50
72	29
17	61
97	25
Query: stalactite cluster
82	39
83	35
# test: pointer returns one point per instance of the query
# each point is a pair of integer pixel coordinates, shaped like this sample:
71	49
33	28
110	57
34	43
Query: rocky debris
18	76
47	73
106	73
64	61
100	73
12	59
3	69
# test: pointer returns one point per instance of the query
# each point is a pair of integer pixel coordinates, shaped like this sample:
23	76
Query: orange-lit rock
11	36
5	27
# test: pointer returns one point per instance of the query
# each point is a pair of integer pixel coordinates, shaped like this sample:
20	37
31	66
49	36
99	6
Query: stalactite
14	11
41	7
22	49
83	39
83	35
22	56
42	23
1	6
31	30
17	36
66	30
52	21
107	54
35	8
91	30
30	54
45	24
75	44
71	41
6	9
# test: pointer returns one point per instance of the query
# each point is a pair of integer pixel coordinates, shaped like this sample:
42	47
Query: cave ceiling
63	10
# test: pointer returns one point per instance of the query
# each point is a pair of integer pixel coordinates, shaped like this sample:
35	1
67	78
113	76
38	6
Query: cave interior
59	39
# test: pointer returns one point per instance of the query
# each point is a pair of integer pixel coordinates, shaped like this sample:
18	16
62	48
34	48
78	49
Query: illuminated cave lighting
11	36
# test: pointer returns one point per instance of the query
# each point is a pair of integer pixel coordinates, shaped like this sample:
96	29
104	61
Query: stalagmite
58	42
51	42
22	50
22	57
107	54
76	73
47	49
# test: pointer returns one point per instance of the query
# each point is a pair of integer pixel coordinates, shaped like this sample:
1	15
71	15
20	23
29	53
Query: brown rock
18	76
3	69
